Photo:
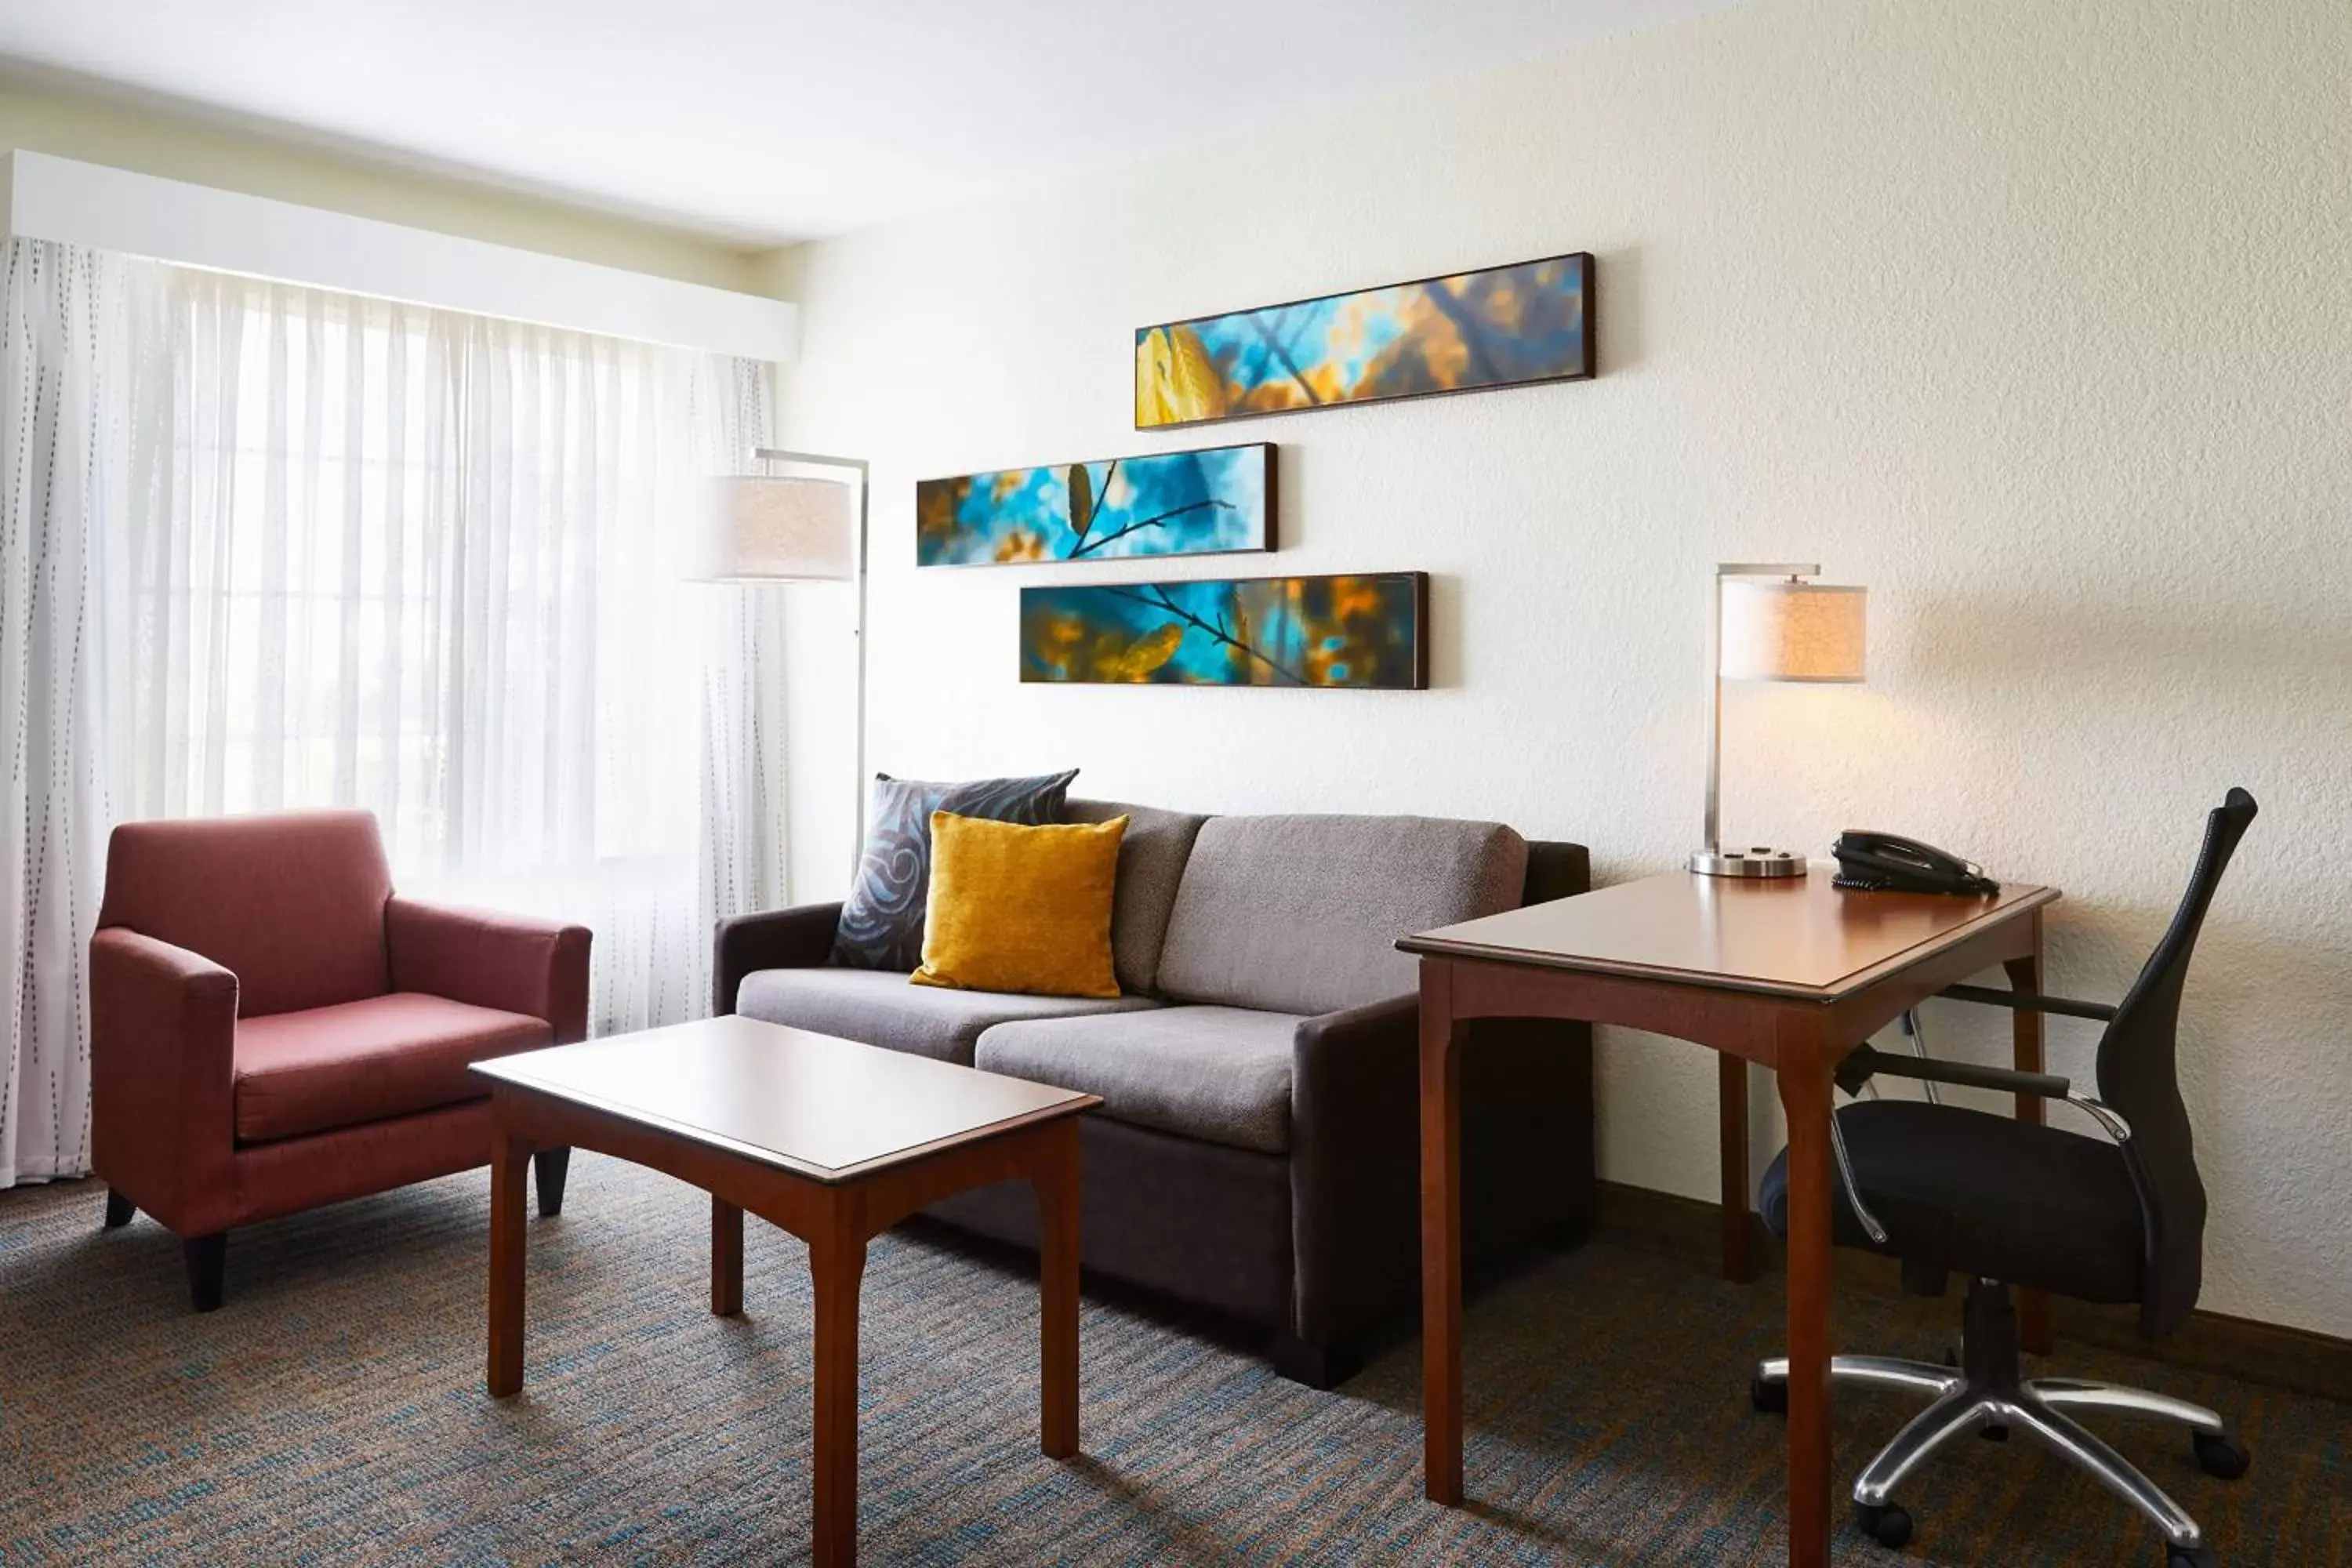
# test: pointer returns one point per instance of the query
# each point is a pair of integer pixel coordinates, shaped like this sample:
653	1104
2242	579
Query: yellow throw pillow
1020	909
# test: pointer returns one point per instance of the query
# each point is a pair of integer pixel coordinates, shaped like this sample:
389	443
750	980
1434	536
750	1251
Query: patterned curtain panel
60	386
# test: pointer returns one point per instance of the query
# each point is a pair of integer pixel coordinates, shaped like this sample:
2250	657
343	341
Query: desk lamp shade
786	530
1792	631
1770	623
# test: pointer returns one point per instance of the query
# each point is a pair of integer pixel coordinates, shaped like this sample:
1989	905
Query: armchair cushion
327	1067
292	904
1222	1074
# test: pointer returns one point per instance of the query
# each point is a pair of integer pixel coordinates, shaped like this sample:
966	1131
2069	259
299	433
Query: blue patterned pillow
882	920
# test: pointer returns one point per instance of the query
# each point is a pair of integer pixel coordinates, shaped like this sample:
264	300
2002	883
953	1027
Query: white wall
2034	317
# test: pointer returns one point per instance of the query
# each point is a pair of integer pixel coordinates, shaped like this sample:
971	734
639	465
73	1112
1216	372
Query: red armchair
272	1029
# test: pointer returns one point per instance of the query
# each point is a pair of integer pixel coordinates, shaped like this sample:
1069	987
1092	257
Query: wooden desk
1787	974
831	1139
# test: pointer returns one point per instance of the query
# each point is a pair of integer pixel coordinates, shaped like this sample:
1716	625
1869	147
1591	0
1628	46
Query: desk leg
726	1258
1441	1235
1805	1098
1731	1103
510	1160
837	1263
2033	1315
1056	1186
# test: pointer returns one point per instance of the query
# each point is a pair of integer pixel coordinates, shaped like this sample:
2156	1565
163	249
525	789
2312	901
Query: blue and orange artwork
1503	326
1359	631
1209	502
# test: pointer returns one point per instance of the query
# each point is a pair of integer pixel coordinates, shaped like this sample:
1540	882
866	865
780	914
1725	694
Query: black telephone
1889	863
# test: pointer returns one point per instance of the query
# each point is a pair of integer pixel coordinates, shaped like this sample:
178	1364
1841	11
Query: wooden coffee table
831	1139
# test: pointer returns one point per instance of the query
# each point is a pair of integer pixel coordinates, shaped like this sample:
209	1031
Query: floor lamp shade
774	530
1792	631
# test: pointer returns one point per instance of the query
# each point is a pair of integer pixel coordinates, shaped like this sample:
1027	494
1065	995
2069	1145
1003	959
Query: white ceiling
763	121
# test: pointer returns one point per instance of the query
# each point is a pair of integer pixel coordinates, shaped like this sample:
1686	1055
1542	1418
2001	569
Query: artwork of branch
1213	502
1502	326
1352	631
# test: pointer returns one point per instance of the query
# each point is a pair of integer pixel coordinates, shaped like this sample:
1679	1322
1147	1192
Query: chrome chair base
2037	1407
1987	1395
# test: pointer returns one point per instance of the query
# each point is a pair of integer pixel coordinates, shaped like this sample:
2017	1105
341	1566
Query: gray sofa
1257	1147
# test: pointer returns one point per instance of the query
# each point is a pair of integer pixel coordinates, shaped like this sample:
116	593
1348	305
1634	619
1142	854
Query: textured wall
2031	316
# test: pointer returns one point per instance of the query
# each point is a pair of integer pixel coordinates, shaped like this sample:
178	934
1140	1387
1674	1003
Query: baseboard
2272	1353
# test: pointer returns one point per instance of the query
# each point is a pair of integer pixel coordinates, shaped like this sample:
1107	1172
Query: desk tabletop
827	1109
1796	936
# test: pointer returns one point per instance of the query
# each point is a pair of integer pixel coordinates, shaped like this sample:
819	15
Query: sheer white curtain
379	556
61	376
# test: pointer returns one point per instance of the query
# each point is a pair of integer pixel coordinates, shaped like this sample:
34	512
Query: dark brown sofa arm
797	938
512	963
1355	1140
1355	1172
162	1043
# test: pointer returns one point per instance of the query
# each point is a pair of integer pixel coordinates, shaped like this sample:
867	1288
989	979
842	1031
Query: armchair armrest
1865	1063
2029	1002
162	1059
512	963
797	938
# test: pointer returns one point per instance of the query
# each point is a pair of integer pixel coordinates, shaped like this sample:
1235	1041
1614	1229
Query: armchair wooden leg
551	1166
207	1258
119	1210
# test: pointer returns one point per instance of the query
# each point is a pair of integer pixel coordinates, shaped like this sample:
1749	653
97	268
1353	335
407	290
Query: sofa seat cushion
325	1068
884	1009
1222	1074
1300	914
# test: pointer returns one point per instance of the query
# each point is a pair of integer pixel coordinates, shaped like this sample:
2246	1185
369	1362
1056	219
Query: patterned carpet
334	1413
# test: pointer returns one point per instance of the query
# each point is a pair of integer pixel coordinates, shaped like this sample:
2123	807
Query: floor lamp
794	528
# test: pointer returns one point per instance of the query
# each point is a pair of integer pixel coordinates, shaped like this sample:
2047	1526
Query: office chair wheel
1770	1397
1885	1524
2192	1557
2223	1457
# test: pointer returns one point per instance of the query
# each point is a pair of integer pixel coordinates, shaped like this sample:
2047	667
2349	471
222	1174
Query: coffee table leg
837	1263
726	1258
1056	1186
509	1158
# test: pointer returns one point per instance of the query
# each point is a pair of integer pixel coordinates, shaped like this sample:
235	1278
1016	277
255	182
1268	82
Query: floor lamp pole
857	466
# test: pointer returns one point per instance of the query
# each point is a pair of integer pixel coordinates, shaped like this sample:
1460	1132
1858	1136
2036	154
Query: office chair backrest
2138	1077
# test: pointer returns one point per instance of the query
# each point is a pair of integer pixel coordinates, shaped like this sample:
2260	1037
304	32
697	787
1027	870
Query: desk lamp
1768	623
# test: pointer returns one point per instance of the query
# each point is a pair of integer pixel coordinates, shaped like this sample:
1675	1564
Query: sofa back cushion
1150	864
1300	914
292	904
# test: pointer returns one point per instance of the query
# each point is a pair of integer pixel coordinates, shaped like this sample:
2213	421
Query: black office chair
2010	1204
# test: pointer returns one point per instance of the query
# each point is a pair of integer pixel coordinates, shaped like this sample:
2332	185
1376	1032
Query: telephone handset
1889	863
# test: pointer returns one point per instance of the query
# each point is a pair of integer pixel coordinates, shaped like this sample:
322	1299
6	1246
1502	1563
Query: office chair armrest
1867	1062
2028	1002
